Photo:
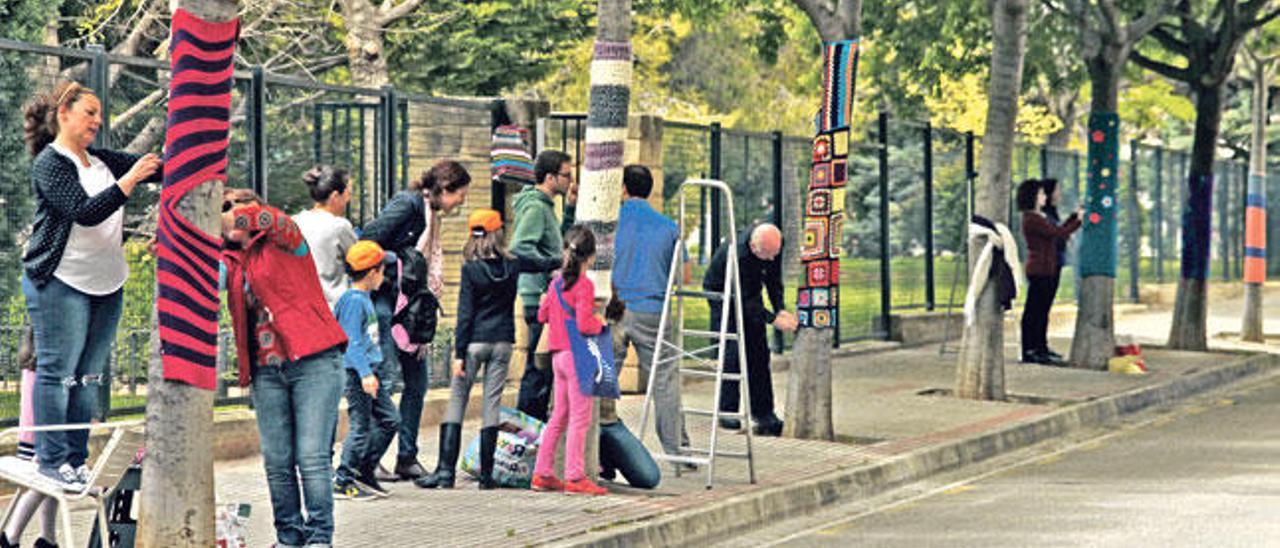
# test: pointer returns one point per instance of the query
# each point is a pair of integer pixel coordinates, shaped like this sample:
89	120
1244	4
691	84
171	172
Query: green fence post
257	131
930	297
886	287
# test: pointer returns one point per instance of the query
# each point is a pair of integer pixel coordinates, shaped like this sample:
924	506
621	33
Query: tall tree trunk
1094	340
366	55
809	400
1255	250
980	371
178	494
600	191
1189	312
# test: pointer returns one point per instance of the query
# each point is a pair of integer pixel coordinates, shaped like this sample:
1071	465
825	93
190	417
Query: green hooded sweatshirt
537	235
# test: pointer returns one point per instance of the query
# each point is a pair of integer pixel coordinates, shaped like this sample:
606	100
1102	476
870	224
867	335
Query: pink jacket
580	297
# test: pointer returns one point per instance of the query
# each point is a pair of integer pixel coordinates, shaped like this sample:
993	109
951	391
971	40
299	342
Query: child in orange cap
373	418
483	338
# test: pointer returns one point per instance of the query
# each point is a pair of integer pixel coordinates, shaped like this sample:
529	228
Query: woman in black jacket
483	338
74	268
411	220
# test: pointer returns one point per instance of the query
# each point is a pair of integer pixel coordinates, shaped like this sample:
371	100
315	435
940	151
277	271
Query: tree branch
820	13
1263	20
1164	69
1167	39
388	16
1148	21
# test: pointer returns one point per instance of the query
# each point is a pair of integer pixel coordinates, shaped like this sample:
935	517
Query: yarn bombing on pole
818	298
201	56
602	167
511	160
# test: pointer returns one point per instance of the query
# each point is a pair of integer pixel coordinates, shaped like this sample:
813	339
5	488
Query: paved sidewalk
880	414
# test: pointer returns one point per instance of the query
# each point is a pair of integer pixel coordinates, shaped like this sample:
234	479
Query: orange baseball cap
484	219
366	254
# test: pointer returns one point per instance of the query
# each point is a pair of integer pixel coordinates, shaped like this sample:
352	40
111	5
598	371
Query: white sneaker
83	473
65	476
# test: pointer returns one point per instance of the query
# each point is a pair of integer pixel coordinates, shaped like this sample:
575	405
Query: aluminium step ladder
707	361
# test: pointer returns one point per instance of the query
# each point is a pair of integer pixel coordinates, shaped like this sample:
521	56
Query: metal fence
909	198
280	127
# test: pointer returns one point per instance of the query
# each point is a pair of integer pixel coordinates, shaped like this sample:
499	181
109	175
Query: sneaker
83	473
351	491
373	488
584	486
65	476
546	483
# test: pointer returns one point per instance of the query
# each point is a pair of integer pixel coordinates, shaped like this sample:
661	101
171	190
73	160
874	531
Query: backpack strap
559	287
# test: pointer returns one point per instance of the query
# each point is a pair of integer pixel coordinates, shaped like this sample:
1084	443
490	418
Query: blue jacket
643	246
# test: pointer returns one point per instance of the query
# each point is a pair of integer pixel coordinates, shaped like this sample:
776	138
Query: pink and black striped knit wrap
201	56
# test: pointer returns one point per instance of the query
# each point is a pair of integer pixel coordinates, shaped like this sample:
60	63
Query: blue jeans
413	374
73	335
371	424
621	451
297	409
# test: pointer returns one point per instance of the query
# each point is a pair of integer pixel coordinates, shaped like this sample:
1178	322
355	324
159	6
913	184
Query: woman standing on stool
74	267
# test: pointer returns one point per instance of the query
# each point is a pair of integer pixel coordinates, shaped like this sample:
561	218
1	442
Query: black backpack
416	309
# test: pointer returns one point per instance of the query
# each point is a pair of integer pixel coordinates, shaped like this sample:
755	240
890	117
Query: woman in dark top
1043	267
483	338
1053	197
411	220
74	268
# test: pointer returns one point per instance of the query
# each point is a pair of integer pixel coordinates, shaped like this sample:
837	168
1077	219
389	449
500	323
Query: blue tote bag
592	355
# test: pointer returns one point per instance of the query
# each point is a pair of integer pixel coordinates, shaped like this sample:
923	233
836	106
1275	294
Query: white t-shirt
93	261
328	236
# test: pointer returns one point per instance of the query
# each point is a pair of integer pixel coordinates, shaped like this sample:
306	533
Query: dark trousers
372	422
535	385
759	376
413	375
1041	291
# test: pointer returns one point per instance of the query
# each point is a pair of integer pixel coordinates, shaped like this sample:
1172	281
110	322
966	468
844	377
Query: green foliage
484	48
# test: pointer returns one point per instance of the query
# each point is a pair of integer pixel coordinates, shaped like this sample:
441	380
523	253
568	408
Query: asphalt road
1207	474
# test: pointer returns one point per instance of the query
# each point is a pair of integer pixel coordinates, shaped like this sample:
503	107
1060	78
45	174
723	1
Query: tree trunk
1189	312
1255	251
600	190
980	371
366	56
1094	341
178	496
809	401
809	389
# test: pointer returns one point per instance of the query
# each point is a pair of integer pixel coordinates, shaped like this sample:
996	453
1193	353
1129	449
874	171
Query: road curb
739	514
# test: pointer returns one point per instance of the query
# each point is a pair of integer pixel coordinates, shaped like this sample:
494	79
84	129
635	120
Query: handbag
413	322
592	355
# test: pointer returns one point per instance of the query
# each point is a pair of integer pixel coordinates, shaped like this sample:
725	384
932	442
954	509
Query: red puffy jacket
282	275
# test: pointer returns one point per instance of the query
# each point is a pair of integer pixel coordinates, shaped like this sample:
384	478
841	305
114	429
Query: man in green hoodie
538	236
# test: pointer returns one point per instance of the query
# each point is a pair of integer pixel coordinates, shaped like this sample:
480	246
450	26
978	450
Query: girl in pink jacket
571	405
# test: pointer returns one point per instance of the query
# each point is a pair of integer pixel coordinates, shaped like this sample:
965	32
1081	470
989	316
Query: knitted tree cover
602	167
1098	238
1196	217
195	152
818	298
1255	231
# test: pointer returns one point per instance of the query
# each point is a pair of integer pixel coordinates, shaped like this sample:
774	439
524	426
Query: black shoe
409	469
769	425
443	477
369	480
731	424
608	473
42	543
1054	355
4	542
488	444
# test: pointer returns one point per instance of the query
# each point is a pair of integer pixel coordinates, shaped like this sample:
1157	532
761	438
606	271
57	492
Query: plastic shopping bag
516	452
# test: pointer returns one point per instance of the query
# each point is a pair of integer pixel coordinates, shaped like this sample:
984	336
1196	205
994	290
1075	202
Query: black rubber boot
442	478
488	444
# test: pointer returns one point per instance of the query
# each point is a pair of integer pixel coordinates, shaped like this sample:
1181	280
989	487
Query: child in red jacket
571	405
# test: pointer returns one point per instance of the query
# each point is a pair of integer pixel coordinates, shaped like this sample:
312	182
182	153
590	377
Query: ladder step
709	295
698	333
711	374
682	459
726	454
708	413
